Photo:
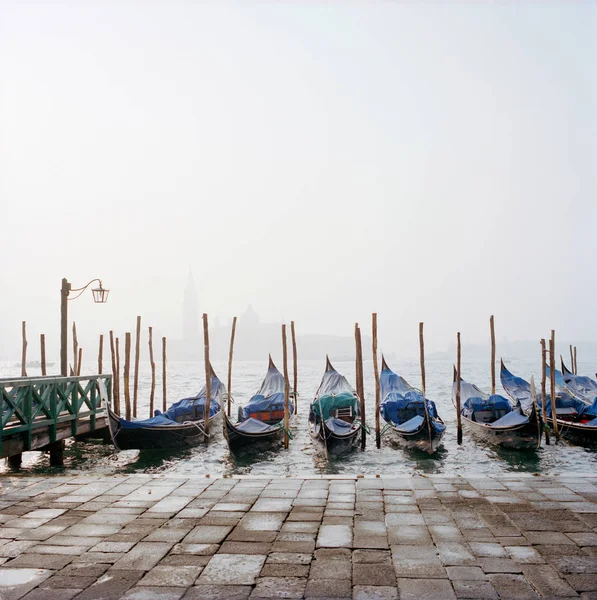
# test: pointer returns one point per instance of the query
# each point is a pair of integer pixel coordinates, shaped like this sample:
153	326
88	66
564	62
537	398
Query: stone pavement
166	537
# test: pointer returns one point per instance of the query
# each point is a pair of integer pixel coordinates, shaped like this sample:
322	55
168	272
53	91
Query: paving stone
15	583
512	587
245	548
279	587
328	588
200	549
207	534
334	536
370	592
154	593
49	561
112	547
584	539
67	550
143	557
167	534
232	569
372	556
547	537
50	594
499	565
583	583
409	535
284	570
417	561
466	574
454	553
474	590
430	589
573	564
171	576
99	557
111	586
333	554
545	579
289	558
184	560
84	570
372	574
330	569
483	549
524	554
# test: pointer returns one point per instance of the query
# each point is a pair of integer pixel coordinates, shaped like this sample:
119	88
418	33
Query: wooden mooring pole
117	378
100	355
115	390
163	374
286	387
79	361
572	360
230	355
422	356
458	415
492	329
152	364
24	349
127	374
137	352
376	373
75	349
552	373
207	375
360	382
575	363
294	369
42	343
544	391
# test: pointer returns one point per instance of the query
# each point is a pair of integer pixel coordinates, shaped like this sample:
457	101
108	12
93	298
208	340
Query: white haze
429	161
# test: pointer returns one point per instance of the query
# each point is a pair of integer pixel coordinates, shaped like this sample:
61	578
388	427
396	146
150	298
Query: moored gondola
261	421
334	414
402	408
495	419
576	420
181	426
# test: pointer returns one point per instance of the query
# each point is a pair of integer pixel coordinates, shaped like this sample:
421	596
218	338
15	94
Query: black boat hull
584	436
169	437
520	437
332	441
418	439
239	439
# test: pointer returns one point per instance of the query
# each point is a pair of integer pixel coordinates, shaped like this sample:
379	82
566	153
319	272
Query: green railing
31	406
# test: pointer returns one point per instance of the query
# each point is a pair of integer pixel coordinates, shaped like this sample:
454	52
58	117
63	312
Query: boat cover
270	396
491	408
258	403
402	403
192	409
411	425
516	386
251	425
510	419
329	403
158	421
583	387
338	426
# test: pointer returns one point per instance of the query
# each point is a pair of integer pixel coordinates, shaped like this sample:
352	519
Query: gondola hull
332	441
576	433
168	437
519	437
418	439
239	439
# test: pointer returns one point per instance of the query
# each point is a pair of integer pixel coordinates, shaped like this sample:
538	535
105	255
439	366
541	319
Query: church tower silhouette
190	312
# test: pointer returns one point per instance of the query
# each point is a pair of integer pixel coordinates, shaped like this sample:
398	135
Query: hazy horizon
429	162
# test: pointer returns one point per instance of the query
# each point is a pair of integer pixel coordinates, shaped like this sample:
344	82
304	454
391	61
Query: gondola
576	419
261	421
403	411
334	414
495	419
580	386
181	426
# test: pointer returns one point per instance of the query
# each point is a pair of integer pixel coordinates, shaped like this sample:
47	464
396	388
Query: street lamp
100	296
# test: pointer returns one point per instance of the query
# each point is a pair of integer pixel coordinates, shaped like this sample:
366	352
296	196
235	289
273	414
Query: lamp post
100	296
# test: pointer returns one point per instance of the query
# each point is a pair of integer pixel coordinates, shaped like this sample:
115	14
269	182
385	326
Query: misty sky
428	161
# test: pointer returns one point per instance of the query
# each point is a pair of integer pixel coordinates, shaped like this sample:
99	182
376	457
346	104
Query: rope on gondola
287	431
197	426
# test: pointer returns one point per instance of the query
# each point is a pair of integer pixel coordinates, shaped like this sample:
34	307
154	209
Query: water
186	378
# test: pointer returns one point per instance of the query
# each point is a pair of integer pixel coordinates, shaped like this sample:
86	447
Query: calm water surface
302	458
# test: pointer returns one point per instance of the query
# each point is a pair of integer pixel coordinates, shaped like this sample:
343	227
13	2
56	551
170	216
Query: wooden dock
39	413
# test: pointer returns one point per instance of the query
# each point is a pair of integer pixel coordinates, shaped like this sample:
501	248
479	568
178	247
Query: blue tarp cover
255	426
510	419
268	403
402	403
411	425
517	388
160	420
191	409
330	403
495	404
338	426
